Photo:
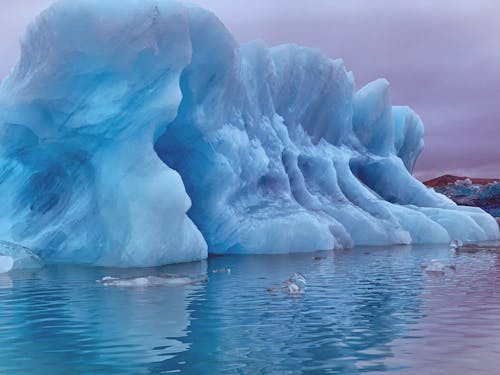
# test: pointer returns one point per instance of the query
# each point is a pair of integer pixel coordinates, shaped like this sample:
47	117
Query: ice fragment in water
150	281
295	284
455	244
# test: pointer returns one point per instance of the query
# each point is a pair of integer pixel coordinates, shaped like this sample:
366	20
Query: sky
441	57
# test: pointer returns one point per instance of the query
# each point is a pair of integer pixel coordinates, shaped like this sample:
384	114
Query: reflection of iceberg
118	119
351	305
110	330
6	263
5	281
22	257
459	316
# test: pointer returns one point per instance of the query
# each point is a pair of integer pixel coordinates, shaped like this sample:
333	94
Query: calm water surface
363	311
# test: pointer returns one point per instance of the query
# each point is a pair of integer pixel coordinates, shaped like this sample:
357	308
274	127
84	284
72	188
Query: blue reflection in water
364	310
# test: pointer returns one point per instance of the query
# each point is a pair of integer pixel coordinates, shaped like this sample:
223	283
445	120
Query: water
363	311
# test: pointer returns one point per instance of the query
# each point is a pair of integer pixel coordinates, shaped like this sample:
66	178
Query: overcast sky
441	57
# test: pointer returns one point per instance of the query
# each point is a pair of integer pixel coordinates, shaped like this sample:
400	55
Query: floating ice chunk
299	278
291	287
222	270
434	266
150	281
295	284
437	267
455	244
6	263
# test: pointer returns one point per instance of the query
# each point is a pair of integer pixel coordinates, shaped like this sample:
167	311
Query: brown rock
443	181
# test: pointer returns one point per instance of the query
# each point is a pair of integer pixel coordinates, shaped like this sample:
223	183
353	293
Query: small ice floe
299	278
222	270
148	281
436	267
294	285
291	287
455	244
6	263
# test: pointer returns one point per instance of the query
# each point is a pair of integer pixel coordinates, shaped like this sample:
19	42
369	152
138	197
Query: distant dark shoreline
465	191
445	180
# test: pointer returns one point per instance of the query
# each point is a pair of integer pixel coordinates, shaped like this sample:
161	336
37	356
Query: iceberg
144	134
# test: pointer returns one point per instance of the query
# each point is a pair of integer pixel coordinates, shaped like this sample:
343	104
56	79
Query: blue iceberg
144	134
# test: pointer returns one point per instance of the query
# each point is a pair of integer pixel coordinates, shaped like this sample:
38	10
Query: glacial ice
455	244
437	267
22	258
294	285
144	134
151	281
6	263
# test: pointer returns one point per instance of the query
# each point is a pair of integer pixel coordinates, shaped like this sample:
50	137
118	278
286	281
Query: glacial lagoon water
372	310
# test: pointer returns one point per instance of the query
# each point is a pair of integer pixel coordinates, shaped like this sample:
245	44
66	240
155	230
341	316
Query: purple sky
441	57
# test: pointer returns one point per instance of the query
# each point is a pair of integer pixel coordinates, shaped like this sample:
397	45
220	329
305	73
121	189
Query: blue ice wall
144	134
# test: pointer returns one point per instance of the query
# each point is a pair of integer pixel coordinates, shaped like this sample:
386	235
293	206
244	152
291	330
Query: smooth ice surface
138	134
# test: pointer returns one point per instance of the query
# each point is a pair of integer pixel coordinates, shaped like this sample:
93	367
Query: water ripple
363	311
